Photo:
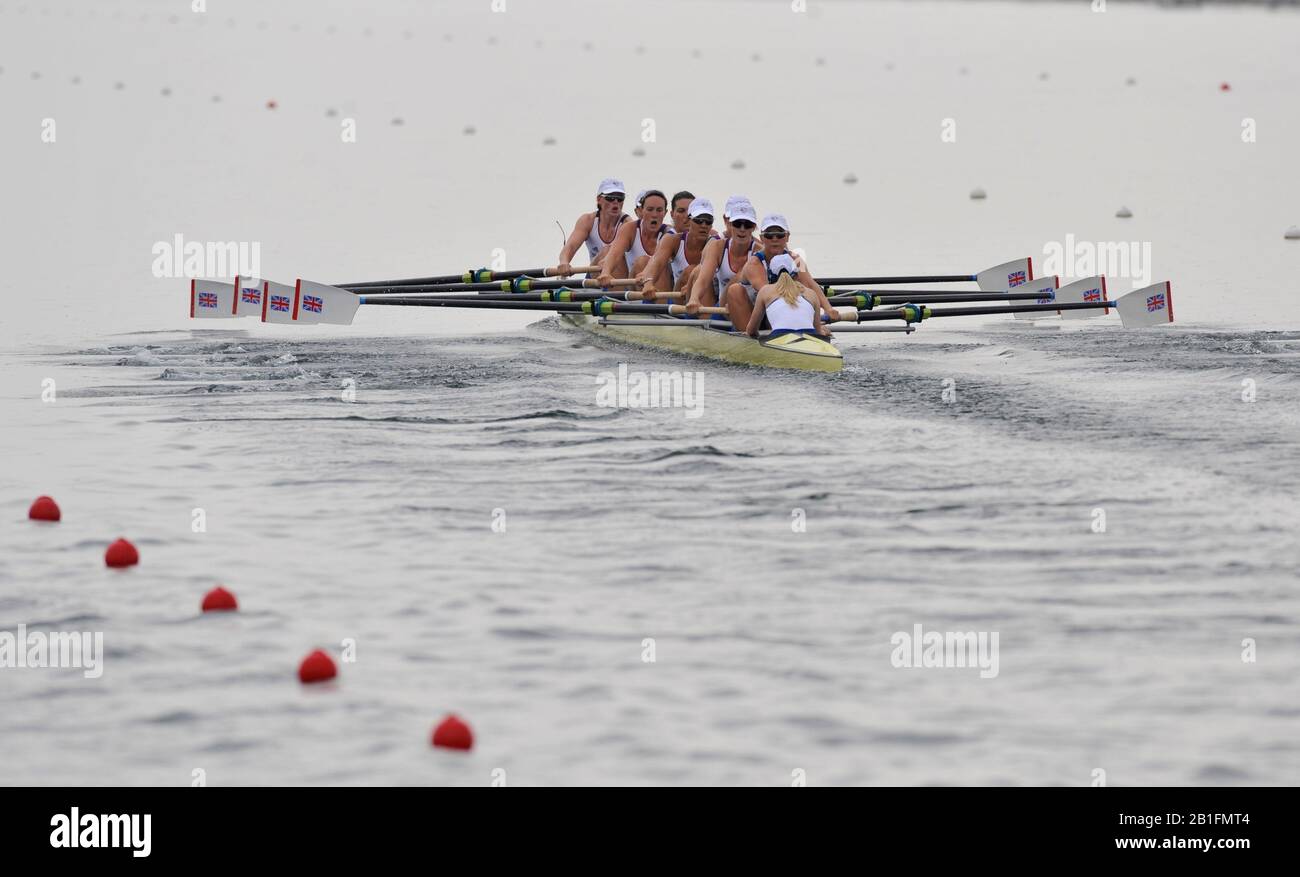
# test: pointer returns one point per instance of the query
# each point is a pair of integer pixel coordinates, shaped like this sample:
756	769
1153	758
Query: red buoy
121	553
219	600
1223	86
44	509
317	667
452	733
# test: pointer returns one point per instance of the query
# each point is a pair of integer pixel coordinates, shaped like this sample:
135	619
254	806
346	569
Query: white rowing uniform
595	243
637	250
726	273
679	263
783	317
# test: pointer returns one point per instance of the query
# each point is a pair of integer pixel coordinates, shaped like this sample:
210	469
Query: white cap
774	219
732	202
611	186
783	262
742	210
700	207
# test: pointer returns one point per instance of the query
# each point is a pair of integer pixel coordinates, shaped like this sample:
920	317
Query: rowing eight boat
805	352
629	318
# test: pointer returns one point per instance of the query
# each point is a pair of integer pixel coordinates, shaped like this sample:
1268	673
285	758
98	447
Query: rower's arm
581	231
805	277
753	274
760	308
662	254
617	250
710	260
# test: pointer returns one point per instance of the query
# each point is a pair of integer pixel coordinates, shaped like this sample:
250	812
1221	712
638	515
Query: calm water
765	551
372	520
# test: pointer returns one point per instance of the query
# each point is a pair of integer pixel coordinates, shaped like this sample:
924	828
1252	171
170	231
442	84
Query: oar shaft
917	313
1024	309
917	278
563	294
516	286
891	298
596	308
474	275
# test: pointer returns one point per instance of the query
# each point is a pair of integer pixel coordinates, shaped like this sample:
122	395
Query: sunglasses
775	235
703	220
612	198
742	223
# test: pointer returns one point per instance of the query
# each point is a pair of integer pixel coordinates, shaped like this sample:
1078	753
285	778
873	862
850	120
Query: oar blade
248	296
277	302
211	299
1149	306
322	303
1046	289
1086	289
1002	277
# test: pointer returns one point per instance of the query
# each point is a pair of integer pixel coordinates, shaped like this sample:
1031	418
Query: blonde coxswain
597	229
757	274
788	305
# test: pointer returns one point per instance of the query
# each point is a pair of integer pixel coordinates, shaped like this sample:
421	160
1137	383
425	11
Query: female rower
636	242
684	254
596	230
723	259
680	207
741	293
788	305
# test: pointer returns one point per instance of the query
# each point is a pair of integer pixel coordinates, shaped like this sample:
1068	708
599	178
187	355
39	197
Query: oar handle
681	309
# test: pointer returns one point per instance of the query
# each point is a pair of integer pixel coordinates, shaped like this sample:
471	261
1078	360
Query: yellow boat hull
792	351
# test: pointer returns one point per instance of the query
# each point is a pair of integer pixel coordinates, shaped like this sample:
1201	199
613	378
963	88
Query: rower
741	293
636	242
684	255
680	214
788	305
723	259
597	229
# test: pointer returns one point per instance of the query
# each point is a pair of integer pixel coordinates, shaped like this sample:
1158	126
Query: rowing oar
595	308
562	294
1149	306
869	300
516	285
996	279
474	275
309	302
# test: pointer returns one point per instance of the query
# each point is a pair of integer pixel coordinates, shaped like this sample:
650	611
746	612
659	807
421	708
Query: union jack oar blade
248	296
1001	278
1149	306
322	303
277	302
212	299
1085	289
1047	293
